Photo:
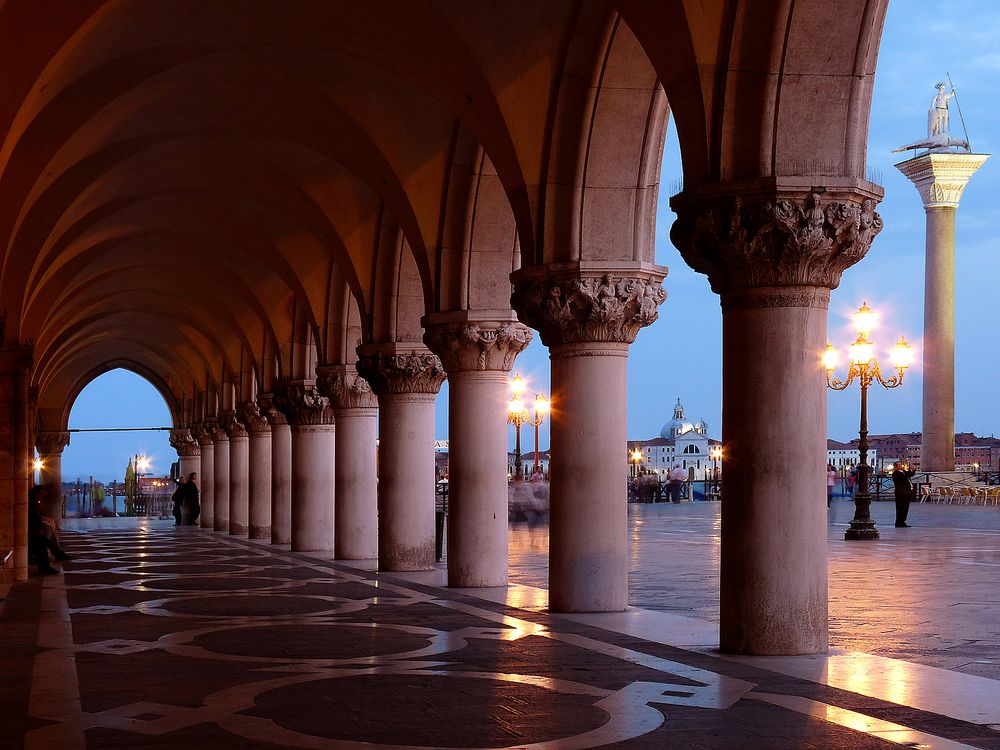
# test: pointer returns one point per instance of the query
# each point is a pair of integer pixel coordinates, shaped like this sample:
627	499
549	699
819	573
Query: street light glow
517	385
901	355
865	320
862	350
542	404
830	358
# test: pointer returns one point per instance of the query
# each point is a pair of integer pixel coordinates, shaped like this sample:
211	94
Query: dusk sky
680	355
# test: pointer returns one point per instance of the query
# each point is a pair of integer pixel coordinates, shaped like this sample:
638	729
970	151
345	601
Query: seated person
42	536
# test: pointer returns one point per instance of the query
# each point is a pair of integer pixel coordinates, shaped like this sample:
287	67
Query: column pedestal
406	482
355	407
477	354
406	379
260	485
239	485
588	538
206	485
220	479
774	523
281	483
313	448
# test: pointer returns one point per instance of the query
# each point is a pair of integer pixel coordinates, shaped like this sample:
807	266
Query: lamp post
541	408
636	457
517	414
864	368
716	454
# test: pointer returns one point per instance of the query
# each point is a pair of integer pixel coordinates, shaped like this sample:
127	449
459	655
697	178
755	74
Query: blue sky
680	355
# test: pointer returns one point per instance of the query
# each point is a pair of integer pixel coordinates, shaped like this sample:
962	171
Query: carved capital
391	370
186	444
248	412
231	425
49	443
577	303
345	388
941	178
776	238
303	404
205	432
269	411
477	345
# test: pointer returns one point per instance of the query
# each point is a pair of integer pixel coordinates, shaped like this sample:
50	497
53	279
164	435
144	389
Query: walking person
903	489
831	481
675	482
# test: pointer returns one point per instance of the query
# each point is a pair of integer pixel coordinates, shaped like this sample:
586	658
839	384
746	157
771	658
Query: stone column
355	473
281	471
203	433
260	469
940	179
220	477
588	314
406	379
239	473
15	458
773	255
50	447
313	445
478	356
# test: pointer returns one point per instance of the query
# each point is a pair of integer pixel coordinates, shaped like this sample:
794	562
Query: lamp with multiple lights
864	367
518	413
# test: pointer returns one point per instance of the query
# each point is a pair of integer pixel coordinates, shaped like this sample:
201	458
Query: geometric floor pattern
158	637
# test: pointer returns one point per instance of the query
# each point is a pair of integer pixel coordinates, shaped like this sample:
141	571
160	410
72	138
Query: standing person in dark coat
903	488
178	500
191	507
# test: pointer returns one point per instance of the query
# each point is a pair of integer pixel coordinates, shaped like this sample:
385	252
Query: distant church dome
701	427
678	425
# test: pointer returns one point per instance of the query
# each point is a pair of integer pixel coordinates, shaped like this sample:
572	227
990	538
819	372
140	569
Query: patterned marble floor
156	637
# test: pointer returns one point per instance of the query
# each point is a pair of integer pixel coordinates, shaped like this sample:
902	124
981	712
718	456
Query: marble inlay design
367	660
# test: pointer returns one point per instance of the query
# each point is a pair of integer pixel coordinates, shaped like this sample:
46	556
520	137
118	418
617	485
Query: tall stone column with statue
313	448
355	408
588	315
406	379
478	355
940	175
773	250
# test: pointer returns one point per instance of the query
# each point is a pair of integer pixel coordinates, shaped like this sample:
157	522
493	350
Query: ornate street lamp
716	454
517	414
636	457
542	407
864	368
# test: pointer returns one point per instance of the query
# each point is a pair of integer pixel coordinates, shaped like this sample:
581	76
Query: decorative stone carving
182	441
269	411
232	426
794	239
49	443
248	412
400	372
204	433
470	345
303	404
584	306
345	388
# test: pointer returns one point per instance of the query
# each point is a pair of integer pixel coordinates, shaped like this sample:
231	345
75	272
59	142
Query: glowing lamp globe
901	355
865	320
